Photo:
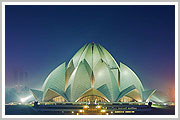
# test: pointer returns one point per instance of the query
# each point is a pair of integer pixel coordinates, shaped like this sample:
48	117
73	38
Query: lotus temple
92	75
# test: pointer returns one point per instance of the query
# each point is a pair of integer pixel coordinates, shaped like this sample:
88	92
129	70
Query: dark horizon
39	38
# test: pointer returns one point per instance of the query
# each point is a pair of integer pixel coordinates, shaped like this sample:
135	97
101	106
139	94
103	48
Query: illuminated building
92	75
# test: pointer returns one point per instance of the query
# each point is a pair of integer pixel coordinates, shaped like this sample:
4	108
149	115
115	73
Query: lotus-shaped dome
92	75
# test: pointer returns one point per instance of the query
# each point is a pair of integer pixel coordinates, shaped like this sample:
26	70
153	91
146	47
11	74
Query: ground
75	109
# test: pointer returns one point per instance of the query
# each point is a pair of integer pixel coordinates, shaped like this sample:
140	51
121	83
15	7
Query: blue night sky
39	38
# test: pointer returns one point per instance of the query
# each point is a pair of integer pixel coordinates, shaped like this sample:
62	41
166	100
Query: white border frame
89	3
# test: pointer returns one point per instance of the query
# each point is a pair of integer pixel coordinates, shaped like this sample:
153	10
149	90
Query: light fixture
103	111
98	107
86	106
81	111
